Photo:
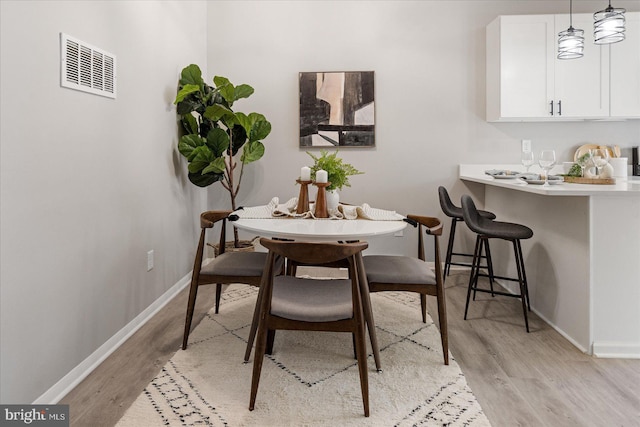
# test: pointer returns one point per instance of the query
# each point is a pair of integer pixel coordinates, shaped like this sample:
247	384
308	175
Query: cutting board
581	180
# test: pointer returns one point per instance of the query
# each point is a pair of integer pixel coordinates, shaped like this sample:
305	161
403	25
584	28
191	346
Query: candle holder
321	210
303	197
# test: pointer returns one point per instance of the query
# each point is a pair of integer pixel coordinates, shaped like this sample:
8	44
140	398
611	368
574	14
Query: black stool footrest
489	291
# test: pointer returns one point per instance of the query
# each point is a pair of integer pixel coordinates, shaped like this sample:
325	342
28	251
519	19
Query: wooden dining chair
409	274
292	266
226	268
296	303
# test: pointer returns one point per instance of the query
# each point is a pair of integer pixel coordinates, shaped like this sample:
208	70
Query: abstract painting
337	109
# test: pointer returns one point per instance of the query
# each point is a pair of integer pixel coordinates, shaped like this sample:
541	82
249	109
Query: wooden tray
581	180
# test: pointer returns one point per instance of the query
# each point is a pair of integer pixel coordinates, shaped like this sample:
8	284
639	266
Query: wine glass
600	158
527	159
546	161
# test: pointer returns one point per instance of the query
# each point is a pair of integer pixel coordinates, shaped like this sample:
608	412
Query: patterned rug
312	378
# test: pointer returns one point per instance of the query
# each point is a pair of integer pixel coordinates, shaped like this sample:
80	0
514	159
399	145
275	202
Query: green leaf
252	151
185	91
218	141
225	88
201	180
242	91
190	123
217	166
239	138
260	130
244	121
188	105
217	112
220	81
188	143
201	159
191	75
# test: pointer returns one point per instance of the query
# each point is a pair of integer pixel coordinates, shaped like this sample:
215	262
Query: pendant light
570	41
608	25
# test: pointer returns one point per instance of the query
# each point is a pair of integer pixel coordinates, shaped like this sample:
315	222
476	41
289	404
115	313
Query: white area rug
312	377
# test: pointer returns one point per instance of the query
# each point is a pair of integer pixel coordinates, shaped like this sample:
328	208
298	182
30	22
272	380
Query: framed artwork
337	109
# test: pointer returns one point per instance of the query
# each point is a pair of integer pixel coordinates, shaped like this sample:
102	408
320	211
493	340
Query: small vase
333	199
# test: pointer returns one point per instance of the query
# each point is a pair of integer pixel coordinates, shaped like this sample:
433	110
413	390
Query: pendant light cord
571	14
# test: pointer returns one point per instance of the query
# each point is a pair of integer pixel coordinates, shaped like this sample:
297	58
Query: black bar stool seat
486	229
455	213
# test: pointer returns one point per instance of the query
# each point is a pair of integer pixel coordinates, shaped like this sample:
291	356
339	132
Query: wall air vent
87	68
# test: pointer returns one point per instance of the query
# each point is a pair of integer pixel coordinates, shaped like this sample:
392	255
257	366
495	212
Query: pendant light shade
570	41
608	25
571	44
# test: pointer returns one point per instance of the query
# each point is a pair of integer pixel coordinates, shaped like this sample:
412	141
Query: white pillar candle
305	173
321	176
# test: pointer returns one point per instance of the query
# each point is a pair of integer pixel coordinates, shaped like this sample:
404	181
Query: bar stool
489	229
455	213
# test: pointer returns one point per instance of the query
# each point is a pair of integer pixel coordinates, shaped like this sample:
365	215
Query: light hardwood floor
520	379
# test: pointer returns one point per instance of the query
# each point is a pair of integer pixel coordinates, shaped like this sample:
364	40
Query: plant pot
333	199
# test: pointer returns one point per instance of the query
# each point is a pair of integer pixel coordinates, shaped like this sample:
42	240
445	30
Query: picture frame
337	109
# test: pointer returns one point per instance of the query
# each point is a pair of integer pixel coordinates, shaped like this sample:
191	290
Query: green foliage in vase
338	171
576	169
213	134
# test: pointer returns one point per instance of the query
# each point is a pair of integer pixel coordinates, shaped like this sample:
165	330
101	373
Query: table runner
275	209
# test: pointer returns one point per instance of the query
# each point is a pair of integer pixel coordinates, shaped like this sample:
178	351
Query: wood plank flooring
520	379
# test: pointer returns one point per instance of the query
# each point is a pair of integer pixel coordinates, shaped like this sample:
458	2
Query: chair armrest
432	224
208	218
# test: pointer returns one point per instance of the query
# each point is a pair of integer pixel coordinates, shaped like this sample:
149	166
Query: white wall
429	63
89	184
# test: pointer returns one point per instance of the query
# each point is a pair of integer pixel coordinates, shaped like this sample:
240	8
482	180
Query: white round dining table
317	230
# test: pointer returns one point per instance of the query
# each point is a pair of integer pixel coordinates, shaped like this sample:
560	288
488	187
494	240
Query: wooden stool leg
423	307
442	319
368	311
254	326
193	293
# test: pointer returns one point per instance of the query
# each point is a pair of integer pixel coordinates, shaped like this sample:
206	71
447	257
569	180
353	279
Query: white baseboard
616	350
608	350
561	332
80	372
512	289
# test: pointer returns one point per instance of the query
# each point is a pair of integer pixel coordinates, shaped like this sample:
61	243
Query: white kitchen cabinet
625	71
519	68
526	81
582	84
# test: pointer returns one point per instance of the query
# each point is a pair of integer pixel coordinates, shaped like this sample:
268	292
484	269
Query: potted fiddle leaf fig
216	140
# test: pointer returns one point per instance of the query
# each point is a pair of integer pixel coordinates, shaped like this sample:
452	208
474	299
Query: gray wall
89	184
429	63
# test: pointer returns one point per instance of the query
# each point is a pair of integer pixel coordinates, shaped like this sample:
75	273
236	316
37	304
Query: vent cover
87	68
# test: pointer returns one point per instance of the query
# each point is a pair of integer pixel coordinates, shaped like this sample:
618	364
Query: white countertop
475	173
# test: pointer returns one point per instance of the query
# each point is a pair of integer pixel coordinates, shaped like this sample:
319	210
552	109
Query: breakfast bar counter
583	262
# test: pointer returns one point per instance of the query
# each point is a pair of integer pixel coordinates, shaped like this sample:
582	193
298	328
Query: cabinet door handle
559	108
551	103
